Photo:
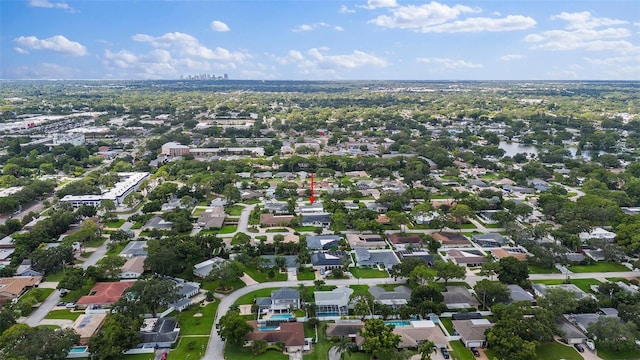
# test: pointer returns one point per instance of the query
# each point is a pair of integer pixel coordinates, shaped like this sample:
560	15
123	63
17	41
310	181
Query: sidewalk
248	280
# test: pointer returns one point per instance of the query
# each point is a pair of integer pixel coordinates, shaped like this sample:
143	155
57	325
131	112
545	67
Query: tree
231	193
461	213
153	293
7	318
425	349
491	292
344	348
378	337
489	269
613	334
426	299
234	328
513	271
363	303
559	301
447	270
119	333
421	275
226	273
403	269
73	279
23	342
109	266
259	346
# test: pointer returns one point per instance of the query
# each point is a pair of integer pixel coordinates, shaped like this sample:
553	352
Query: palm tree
425	349
344	348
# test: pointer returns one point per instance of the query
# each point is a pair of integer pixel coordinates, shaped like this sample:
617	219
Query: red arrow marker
312	198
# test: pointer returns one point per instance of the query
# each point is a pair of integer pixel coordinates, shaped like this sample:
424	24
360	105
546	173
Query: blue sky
321	39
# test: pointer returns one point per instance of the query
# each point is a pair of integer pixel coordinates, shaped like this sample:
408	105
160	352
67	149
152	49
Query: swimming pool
79	349
398	323
327	313
281	316
268	328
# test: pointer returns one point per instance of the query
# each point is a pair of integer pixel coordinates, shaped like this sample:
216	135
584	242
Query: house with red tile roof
104	294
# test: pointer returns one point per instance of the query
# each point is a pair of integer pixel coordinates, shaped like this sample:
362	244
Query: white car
591	345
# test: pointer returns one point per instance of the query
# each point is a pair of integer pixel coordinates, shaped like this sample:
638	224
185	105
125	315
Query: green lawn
140	357
306	274
63	315
114	224
306	228
320	350
191	325
359	288
459	351
598	267
54	276
235	210
446	321
618	355
74	295
276	230
541	270
95	243
228	229
248	298
115	248
236	353
40	294
557	351
197	211
189	348
215	285
365	273
261	275
583	284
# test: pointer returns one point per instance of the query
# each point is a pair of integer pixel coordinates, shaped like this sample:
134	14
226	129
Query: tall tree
378	337
491	292
447	270
23	342
425	349
513	271
119	333
613	334
234	328
153	293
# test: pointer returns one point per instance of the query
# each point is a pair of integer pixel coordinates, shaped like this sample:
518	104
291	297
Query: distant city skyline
321	40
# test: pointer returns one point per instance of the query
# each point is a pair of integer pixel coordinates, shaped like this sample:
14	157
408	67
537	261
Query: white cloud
345	10
478	24
582	33
316	61
309	27
219	26
375	4
611	60
188	46
20	50
338	28
49	5
450	64
57	43
584	20
421	16
510	57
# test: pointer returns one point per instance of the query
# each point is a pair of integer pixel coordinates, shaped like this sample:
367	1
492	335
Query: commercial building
129	183
173	149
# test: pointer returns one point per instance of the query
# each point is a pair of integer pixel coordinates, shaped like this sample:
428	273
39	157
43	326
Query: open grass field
364	273
197	325
599	267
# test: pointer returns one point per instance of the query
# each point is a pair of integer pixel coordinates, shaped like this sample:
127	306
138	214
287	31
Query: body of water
282	316
398	323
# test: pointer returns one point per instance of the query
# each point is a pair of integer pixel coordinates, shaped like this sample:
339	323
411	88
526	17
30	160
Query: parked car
591	345
475	352
579	347
445	353
70	305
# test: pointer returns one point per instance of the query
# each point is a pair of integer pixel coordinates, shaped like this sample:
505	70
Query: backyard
599	267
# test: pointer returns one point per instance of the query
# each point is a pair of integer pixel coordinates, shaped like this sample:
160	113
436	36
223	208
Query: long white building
130	181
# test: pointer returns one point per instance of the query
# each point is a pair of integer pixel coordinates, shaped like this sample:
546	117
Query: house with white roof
597	233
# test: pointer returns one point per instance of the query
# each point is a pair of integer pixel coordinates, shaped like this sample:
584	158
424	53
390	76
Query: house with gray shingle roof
371	258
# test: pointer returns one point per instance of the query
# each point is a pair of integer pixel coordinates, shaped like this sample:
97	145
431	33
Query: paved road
215	347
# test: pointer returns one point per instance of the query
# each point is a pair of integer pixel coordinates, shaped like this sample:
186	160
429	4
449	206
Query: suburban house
186	290
212	218
398	239
327	260
423	255
448	239
276	208
133	268
203	269
471	331
517	293
134	248
159	333
291	261
395	299
469	258
541	289
413	335
459	297
157	223
271	220
104	294
323	220
519	253
291	334
86	325
597	233
366	240
582	321
375	258
334	302
12	288
490	239
323	242
280	301
346	329
570	332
